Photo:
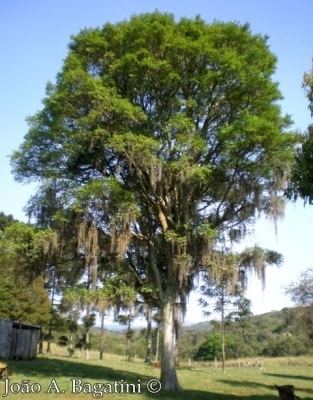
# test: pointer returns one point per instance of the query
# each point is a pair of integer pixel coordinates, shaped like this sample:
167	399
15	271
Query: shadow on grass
287	376
291	377
263	385
57	368
202	395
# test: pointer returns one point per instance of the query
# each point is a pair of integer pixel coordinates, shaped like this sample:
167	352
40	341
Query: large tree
167	136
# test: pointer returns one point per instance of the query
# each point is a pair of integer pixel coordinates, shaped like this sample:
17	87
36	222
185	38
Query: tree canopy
22	291
166	136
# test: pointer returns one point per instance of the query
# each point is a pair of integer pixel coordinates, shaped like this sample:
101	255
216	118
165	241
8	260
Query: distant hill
274	318
275	333
199	327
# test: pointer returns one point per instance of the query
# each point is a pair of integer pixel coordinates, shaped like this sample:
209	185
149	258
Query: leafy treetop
181	116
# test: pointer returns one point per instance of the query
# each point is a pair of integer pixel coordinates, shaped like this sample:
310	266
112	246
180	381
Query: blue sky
34	37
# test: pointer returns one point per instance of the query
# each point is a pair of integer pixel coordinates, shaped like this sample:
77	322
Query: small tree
301	293
225	283
82	299
242	313
72	326
116	293
222	293
103	303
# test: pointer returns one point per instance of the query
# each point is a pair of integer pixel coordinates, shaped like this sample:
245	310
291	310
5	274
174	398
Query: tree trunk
40	346
223	333
157	345
49	342
101	350
87	333
223	352
87	344
149	335
71	346
128	337
52	305
168	368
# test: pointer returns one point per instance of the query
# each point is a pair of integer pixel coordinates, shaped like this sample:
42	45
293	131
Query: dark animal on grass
286	392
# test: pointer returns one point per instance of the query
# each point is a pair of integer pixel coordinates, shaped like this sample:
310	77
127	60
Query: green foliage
5	220
63	341
207	231
210	349
274	334
285	345
19	249
24	302
89	320
22	286
176	113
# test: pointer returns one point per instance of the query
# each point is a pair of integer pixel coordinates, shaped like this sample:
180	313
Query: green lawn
198	383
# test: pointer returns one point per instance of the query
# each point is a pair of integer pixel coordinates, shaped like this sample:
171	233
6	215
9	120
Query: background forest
274	334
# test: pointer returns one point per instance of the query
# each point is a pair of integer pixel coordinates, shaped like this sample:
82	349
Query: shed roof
21	324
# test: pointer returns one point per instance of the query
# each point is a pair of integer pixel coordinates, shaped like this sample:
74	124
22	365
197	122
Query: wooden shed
18	341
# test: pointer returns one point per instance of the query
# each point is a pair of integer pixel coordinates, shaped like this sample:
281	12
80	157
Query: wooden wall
6	328
18	341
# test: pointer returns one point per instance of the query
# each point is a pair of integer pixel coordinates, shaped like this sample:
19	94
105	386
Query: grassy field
200	382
